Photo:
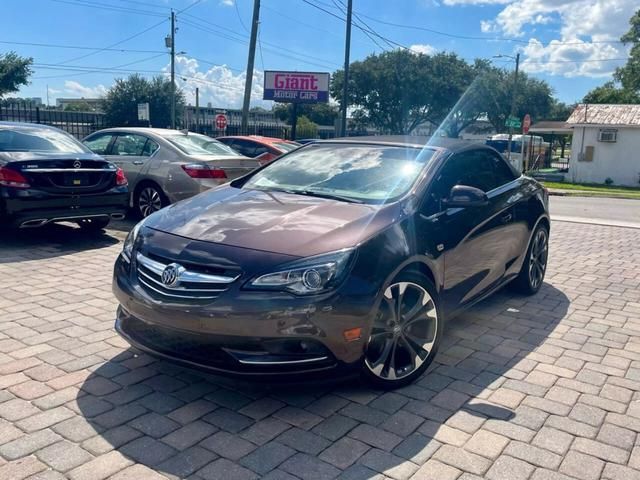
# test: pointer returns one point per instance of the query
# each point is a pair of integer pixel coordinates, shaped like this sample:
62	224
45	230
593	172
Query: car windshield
194	144
351	172
285	146
34	139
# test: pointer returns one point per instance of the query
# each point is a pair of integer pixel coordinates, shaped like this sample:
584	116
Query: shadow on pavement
181	422
56	240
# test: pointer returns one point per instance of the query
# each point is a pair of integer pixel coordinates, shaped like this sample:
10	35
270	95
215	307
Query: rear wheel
405	334
534	267
149	199
93	224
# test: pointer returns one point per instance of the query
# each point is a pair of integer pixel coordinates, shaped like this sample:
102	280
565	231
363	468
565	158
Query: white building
606	144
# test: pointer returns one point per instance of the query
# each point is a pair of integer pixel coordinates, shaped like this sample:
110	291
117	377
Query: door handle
506	218
138	162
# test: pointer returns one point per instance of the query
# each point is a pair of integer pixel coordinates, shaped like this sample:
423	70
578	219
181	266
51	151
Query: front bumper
243	332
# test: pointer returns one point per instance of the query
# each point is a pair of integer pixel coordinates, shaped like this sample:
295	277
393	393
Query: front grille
188	285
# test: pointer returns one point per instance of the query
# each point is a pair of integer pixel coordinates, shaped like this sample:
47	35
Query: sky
80	46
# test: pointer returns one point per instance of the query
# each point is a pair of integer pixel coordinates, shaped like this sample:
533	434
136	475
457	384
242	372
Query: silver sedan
164	166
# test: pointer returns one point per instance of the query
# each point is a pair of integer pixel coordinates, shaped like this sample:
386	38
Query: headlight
307	276
129	242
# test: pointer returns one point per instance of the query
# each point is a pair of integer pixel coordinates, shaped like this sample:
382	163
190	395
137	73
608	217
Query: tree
629	75
396	91
306	128
122	99
610	93
78	107
626	85
319	113
14	72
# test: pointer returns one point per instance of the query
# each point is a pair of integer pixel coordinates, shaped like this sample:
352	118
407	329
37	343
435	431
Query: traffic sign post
513	122
221	122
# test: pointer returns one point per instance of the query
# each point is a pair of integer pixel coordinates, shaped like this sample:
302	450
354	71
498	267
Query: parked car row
48	176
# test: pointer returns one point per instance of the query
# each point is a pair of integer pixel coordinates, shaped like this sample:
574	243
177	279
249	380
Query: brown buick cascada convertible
346	254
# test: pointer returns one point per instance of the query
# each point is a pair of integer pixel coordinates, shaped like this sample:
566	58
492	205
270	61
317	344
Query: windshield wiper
331	196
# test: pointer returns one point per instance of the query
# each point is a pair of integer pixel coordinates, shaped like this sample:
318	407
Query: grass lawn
596	189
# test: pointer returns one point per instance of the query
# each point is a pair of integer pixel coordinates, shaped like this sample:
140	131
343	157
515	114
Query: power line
277	50
101	68
468	37
235	4
114	8
117	43
78	47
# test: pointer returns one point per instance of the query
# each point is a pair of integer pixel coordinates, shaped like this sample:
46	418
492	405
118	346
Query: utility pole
514	94
173	69
197	110
345	87
249	76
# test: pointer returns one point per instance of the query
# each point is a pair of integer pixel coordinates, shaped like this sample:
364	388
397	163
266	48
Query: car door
128	152
471	239
99	143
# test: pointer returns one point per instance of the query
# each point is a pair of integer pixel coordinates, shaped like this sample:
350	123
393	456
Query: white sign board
143	112
296	87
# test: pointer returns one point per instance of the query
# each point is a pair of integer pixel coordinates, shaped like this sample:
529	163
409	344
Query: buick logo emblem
170	274
77	164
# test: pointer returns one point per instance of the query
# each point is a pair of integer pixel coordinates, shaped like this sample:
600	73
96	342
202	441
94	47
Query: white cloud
577	58
423	48
218	84
227	3
76	89
586	24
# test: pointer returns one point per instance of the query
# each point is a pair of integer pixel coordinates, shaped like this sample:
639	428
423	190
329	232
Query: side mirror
462	196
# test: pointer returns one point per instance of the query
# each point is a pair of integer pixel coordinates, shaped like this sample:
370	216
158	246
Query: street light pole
514	94
345	87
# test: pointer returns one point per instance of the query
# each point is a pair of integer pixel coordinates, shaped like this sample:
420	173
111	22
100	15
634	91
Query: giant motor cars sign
296	87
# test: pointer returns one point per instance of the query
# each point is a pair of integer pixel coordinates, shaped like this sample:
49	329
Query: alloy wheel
149	201
538	258
404	332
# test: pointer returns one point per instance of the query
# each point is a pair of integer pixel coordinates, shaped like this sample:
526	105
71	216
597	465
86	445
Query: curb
595	221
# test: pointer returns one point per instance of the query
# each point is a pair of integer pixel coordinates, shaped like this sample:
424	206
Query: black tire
149	198
416	338
534	266
93	224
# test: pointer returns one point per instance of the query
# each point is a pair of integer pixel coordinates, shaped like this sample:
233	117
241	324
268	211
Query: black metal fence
78	124
81	124
209	128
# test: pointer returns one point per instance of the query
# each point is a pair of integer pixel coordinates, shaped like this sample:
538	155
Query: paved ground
541	388
596	209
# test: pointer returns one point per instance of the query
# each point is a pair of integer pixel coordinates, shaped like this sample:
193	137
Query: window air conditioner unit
607	136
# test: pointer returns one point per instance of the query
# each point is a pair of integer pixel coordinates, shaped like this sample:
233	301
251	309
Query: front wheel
534	267
405	334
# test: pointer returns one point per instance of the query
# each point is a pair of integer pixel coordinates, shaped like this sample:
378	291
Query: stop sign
221	122
526	123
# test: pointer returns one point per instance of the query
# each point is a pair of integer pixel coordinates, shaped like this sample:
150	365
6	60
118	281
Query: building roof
605	114
548	126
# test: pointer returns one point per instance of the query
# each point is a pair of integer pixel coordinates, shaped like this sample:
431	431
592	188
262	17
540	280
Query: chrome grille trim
186	290
186	276
165	294
205	287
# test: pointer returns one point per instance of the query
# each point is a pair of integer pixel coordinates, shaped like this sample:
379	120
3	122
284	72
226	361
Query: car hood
273	221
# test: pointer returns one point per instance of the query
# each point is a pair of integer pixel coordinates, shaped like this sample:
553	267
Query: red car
264	149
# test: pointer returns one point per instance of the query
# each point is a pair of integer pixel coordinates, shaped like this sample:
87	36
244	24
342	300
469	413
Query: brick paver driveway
543	387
